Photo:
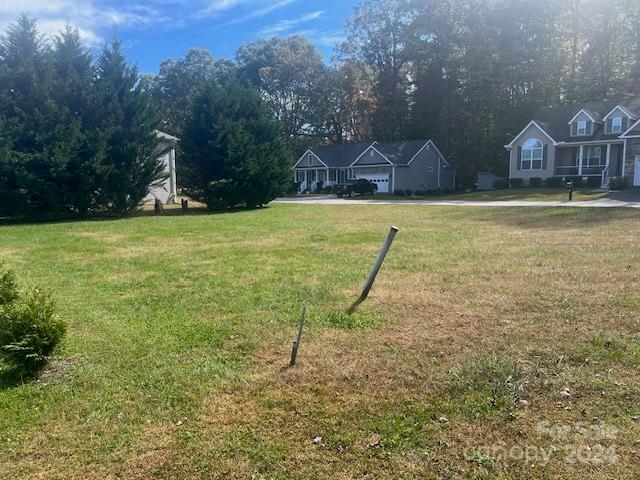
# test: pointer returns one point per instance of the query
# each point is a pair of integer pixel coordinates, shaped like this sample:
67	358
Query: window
582	127
332	175
616	125
430	169
593	157
299	176
532	153
309	160
322	175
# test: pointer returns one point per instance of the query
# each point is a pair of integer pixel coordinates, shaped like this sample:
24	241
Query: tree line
466	73
77	133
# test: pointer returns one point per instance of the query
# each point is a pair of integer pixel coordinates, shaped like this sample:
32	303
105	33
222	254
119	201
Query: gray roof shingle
343	155
340	155
555	120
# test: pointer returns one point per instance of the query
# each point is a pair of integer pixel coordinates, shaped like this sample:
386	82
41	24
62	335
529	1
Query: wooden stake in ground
374	271
296	344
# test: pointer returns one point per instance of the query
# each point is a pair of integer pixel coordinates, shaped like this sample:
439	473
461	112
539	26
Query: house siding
166	190
590	125
633	149
371	157
532	132
417	176
309	160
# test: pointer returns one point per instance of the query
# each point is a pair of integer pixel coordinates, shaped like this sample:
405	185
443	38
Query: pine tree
127	122
233	153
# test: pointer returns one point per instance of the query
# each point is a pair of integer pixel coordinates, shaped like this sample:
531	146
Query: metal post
296	344
376	268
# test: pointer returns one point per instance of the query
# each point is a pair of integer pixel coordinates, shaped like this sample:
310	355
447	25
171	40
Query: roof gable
622	109
401	153
590	115
535	124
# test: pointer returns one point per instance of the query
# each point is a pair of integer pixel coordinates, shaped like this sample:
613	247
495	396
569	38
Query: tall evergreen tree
127	122
232	151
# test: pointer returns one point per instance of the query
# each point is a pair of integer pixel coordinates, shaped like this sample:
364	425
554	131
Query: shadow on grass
558	218
169	212
12	378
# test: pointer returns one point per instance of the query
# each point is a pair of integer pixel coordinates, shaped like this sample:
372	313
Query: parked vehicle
359	186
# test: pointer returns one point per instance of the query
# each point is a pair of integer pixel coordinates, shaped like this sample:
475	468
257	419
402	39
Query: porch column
581	156
608	153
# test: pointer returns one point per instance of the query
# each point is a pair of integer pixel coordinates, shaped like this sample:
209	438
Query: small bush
398	192
535	182
594	182
422	193
618	183
577	181
29	328
553	182
408	192
8	287
515	182
500	183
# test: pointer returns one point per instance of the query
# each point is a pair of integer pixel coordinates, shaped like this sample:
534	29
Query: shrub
500	183
577	181
233	152
535	182
408	192
422	193
594	181
553	182
516	182
8	287
398	192
29	328
618	183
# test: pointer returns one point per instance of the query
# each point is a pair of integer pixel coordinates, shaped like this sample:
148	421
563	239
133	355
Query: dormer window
581	128
616	125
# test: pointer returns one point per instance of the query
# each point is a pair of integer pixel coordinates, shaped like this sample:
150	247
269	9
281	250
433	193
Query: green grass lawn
524	194
180	329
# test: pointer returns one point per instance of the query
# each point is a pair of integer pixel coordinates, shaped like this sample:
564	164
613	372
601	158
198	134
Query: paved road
615	200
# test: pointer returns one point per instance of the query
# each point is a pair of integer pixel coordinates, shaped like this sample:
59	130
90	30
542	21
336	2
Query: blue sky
153	30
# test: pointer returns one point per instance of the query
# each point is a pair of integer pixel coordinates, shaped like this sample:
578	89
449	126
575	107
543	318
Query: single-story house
166	191
595	139
408	165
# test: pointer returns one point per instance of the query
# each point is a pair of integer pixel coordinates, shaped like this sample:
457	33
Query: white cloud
288	24
88	16
95	18
261	12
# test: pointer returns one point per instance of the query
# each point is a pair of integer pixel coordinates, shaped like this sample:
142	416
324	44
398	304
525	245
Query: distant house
408	165
167	190
600	140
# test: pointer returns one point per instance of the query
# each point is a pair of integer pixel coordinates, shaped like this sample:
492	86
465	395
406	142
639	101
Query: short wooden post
374	271
157	206
185	205
296	343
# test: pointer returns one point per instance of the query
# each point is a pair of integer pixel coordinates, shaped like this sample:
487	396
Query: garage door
382	181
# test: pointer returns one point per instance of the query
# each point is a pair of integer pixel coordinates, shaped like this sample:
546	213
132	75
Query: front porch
311	179
590	160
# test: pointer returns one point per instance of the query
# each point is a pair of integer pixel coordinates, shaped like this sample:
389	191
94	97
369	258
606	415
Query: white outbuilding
166	191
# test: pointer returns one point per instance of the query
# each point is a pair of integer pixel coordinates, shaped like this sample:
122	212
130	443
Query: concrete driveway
626	199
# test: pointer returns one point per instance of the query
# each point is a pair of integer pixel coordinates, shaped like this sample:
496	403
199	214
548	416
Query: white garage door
382	181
